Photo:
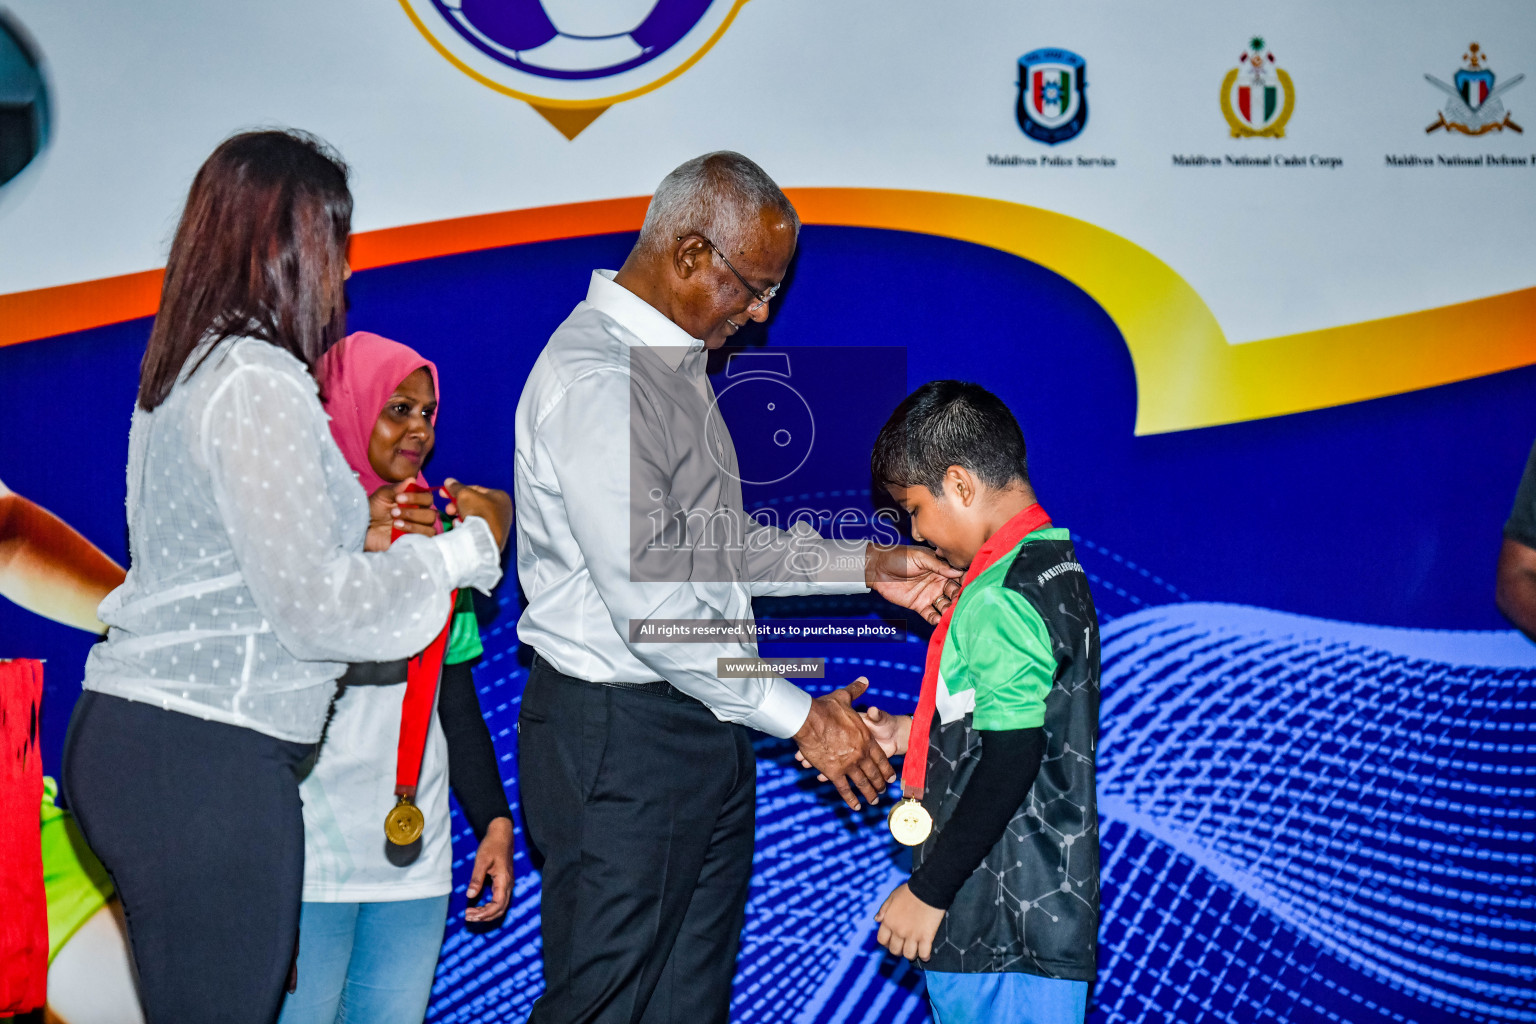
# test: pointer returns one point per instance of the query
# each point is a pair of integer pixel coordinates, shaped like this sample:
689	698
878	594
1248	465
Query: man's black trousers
642	806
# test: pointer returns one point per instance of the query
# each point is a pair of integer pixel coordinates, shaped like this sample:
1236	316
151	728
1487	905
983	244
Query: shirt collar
640	319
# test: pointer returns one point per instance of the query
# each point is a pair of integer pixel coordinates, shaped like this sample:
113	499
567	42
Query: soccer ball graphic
23	101
574	39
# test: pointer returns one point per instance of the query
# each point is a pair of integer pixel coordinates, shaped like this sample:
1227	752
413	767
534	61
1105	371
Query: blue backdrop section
1303	819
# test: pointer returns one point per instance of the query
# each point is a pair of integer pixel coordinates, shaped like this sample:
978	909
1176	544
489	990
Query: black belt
655	688
374	673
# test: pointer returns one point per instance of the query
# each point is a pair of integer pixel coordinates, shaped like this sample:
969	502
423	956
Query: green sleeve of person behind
75	883
464	634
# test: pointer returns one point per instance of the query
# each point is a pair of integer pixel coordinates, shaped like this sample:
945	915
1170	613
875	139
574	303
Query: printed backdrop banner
1258	280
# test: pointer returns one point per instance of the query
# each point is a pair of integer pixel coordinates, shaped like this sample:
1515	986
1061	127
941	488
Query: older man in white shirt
637	773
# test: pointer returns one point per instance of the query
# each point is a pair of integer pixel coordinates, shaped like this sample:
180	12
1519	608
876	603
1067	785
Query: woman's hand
494	506
493	858
390	507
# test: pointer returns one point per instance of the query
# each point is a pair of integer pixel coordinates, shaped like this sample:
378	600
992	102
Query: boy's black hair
949	423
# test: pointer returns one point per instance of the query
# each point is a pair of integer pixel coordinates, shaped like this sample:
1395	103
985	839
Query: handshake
852	749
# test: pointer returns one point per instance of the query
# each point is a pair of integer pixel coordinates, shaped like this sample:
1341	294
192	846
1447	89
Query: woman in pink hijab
374	912
370	387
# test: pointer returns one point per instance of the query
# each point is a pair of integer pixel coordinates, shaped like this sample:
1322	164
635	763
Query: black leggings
199	825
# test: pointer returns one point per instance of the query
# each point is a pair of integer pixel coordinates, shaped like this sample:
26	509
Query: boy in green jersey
1002	907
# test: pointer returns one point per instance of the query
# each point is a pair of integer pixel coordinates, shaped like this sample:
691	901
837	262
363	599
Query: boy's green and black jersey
1023	652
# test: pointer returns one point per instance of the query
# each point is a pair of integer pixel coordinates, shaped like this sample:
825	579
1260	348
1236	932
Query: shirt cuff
471	555
843	571
783	711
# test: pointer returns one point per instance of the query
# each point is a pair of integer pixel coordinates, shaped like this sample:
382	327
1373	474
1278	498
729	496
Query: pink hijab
357	376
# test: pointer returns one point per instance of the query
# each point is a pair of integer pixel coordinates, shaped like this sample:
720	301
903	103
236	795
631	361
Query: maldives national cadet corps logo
572	59
1260	104
1473	106
1053	98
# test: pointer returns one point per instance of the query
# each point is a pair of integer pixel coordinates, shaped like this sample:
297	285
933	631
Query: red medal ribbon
914	770
421	675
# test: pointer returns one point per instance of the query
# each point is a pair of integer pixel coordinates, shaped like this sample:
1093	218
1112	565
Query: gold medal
910	822
404	822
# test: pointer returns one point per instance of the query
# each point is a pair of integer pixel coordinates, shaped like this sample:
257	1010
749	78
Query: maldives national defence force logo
1472	105
572	59
1053	100
1257	96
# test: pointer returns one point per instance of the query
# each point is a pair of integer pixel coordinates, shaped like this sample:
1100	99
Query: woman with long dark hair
248	588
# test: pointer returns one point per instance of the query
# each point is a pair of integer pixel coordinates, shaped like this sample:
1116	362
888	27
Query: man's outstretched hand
835	742
892	732
912	577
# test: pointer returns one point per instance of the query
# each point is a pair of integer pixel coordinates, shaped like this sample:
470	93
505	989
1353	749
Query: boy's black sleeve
1010	760
473	771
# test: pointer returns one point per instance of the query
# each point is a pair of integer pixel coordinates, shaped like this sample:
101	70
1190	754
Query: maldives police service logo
1257	96
1473	105
572	59
1053	97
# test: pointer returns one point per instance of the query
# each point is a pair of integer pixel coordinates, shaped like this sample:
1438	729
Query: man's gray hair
718	195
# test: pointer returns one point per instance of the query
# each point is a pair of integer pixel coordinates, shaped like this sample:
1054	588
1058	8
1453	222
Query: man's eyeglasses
762	297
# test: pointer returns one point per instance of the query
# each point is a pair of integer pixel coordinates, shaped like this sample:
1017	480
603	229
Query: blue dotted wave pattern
1310	820
1303	820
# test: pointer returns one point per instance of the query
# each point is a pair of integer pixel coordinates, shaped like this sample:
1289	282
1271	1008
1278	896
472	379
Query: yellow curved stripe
556	104
1187	375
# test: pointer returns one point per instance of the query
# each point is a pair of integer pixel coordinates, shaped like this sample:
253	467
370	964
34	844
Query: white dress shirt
617	427
347	793
248	590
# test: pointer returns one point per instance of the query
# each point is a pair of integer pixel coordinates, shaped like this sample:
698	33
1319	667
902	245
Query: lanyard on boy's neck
404	823
910	822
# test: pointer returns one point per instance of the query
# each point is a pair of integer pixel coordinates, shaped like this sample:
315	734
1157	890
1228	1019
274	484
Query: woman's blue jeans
366	963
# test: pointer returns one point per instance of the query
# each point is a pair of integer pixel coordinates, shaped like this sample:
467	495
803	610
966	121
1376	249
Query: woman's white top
350	789
248	590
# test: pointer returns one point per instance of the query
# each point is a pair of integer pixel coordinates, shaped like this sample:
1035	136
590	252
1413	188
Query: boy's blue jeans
1006	998
368	963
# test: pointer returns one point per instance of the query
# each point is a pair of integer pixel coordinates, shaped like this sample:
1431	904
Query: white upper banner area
1358	212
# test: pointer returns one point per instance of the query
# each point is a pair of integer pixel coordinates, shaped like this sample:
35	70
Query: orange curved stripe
64	309
389	246
28	316
1187	375
1349	363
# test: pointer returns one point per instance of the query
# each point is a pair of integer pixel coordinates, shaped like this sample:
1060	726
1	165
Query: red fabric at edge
23	908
